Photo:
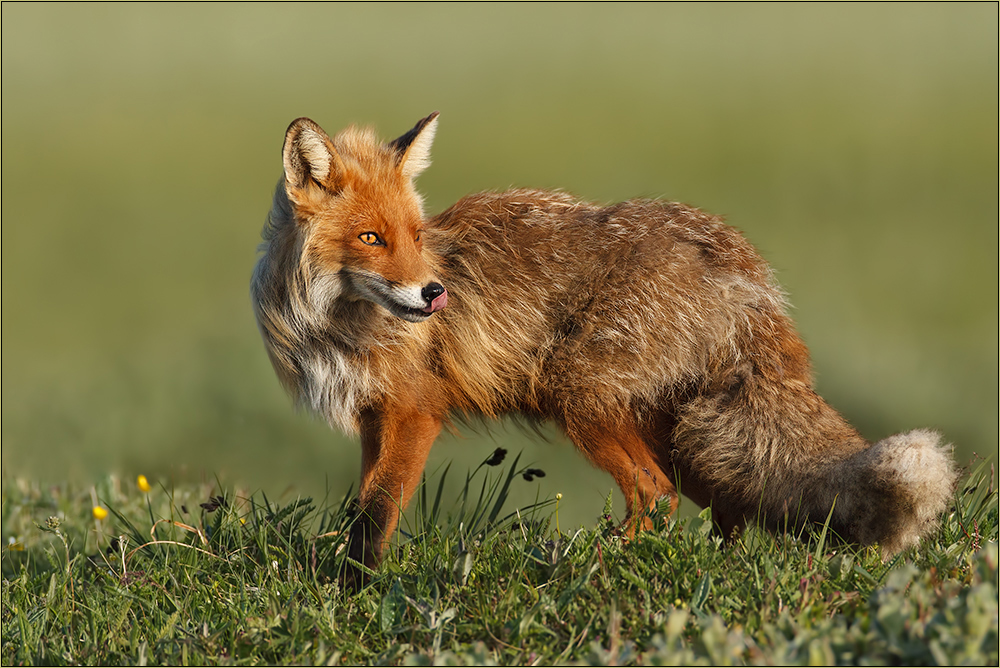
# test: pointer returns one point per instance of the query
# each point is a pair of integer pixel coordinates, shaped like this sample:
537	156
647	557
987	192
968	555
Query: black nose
431	290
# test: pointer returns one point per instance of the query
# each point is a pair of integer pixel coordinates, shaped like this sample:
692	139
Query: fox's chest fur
335	384
344	358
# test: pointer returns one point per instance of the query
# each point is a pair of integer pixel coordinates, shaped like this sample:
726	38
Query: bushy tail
777	454
893	491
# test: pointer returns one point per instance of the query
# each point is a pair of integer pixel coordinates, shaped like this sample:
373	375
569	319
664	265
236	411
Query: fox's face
360	218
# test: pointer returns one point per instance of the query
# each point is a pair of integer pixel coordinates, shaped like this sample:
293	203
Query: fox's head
359	218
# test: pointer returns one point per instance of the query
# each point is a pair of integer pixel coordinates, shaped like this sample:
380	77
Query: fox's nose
431	291
435	295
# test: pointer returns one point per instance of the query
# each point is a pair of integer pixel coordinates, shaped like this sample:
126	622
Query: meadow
854	145
200	576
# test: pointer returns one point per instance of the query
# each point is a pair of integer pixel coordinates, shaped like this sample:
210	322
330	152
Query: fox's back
566	305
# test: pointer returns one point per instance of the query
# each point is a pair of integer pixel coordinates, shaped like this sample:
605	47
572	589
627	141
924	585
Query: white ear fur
418	154
306	153
313	150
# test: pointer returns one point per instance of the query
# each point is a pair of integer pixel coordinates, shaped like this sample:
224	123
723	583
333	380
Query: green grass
198	575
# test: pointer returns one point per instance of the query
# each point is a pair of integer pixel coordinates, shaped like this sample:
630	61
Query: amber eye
371	239
418	235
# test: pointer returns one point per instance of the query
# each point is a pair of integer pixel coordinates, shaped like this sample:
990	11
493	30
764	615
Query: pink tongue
439	303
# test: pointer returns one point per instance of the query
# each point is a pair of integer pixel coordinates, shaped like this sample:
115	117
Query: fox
652	333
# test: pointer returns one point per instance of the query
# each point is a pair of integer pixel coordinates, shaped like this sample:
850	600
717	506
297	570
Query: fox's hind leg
617	447
727	517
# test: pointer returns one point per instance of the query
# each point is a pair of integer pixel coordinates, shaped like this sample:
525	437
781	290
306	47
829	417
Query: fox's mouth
407	313
416	314
412	304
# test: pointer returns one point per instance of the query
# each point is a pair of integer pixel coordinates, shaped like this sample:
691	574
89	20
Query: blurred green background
855	145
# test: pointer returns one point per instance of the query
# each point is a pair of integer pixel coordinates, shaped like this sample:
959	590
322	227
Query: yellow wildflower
99	513
143	483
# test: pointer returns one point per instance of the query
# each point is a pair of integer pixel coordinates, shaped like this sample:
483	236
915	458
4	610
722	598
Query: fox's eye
371	239
418	235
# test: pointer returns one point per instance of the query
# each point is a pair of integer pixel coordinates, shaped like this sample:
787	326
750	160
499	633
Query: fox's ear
414	148
308	154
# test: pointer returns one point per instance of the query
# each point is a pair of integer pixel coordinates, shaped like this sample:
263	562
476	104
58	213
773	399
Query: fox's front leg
395	442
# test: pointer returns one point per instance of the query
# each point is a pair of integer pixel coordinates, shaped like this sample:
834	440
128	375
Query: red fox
652	333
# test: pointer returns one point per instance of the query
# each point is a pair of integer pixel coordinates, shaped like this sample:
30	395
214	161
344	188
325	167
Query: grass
201	575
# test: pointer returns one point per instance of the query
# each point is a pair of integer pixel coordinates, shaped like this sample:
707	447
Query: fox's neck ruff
356	357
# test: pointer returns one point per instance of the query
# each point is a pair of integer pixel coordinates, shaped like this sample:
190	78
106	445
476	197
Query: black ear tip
400	144
427	120
422	123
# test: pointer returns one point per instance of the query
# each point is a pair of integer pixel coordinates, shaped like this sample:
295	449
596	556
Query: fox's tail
782	455
894	490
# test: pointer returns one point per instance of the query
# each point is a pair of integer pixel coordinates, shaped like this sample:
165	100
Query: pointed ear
308	154
414	148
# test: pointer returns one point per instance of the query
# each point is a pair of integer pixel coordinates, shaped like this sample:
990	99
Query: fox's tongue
439	303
